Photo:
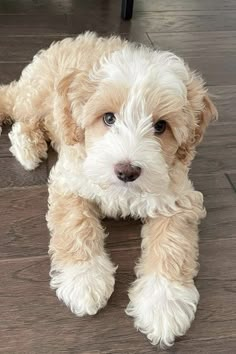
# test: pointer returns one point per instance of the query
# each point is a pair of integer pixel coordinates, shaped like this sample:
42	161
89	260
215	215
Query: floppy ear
68	127
208	114
204	112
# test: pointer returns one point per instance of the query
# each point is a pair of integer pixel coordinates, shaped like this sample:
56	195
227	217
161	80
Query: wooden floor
31	318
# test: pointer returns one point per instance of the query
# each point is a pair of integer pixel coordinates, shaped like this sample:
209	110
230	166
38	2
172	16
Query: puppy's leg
23	104
81	271
163	299
28	144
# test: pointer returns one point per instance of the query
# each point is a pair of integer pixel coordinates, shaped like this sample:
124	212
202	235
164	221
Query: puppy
125	120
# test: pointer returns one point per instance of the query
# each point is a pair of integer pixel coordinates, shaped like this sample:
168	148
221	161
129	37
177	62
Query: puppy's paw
162	309
28	147
86	287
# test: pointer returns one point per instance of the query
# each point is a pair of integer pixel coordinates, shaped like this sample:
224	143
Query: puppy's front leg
163	299
81	271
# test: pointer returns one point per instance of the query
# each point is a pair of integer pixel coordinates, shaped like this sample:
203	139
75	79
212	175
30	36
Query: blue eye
109	118
160	127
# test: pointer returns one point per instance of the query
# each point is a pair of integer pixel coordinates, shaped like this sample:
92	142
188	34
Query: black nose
126	172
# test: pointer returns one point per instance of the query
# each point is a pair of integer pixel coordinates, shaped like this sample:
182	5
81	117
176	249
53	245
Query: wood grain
196	44
39	317
185	21
214	159
23	229
217	71
216	259
224	98
22	48
220	133
10	71
58	7
217	66
14	175
183	5
33	24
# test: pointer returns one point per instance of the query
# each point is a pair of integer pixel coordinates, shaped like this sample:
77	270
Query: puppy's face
143	121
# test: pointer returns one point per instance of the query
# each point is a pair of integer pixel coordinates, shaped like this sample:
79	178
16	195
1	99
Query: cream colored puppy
125	120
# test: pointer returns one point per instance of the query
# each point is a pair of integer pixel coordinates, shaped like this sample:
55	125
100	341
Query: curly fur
61	98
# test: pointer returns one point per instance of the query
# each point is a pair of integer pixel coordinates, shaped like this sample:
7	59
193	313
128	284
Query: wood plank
23	229
33	24
217	261
220	203
62	7
100	21
232	180
196	44
22	48
36	313
10	72
58	7
220	133
13	174
220	222
180	5
218	345
217	152
217	71
217	66
213	159
210	184
225	103
139	37
185	21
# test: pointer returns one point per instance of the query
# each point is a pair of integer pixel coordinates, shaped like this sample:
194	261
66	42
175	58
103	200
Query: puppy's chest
136	206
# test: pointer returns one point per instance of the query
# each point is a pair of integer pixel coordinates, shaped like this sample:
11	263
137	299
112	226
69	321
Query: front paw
85	287
162	309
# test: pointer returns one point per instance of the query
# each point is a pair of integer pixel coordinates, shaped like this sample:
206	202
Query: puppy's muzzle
127	172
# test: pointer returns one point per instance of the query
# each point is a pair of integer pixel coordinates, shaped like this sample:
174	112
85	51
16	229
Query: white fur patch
162	309
24	149
113	198
86	287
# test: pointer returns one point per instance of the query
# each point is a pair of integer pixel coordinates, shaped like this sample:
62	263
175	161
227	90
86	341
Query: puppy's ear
204	112
68	129
200	104
205	117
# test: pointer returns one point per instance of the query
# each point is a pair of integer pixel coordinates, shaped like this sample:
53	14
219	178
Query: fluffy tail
6	104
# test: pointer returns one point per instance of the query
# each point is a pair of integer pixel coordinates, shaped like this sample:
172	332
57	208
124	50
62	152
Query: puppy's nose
127	172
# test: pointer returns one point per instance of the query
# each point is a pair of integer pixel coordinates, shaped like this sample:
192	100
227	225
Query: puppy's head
143	114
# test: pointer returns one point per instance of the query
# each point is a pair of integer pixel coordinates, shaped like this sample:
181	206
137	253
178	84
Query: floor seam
230	182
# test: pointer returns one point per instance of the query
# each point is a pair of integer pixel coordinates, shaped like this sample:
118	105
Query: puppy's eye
109	118
160	127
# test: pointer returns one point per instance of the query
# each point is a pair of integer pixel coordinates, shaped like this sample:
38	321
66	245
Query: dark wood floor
32	320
